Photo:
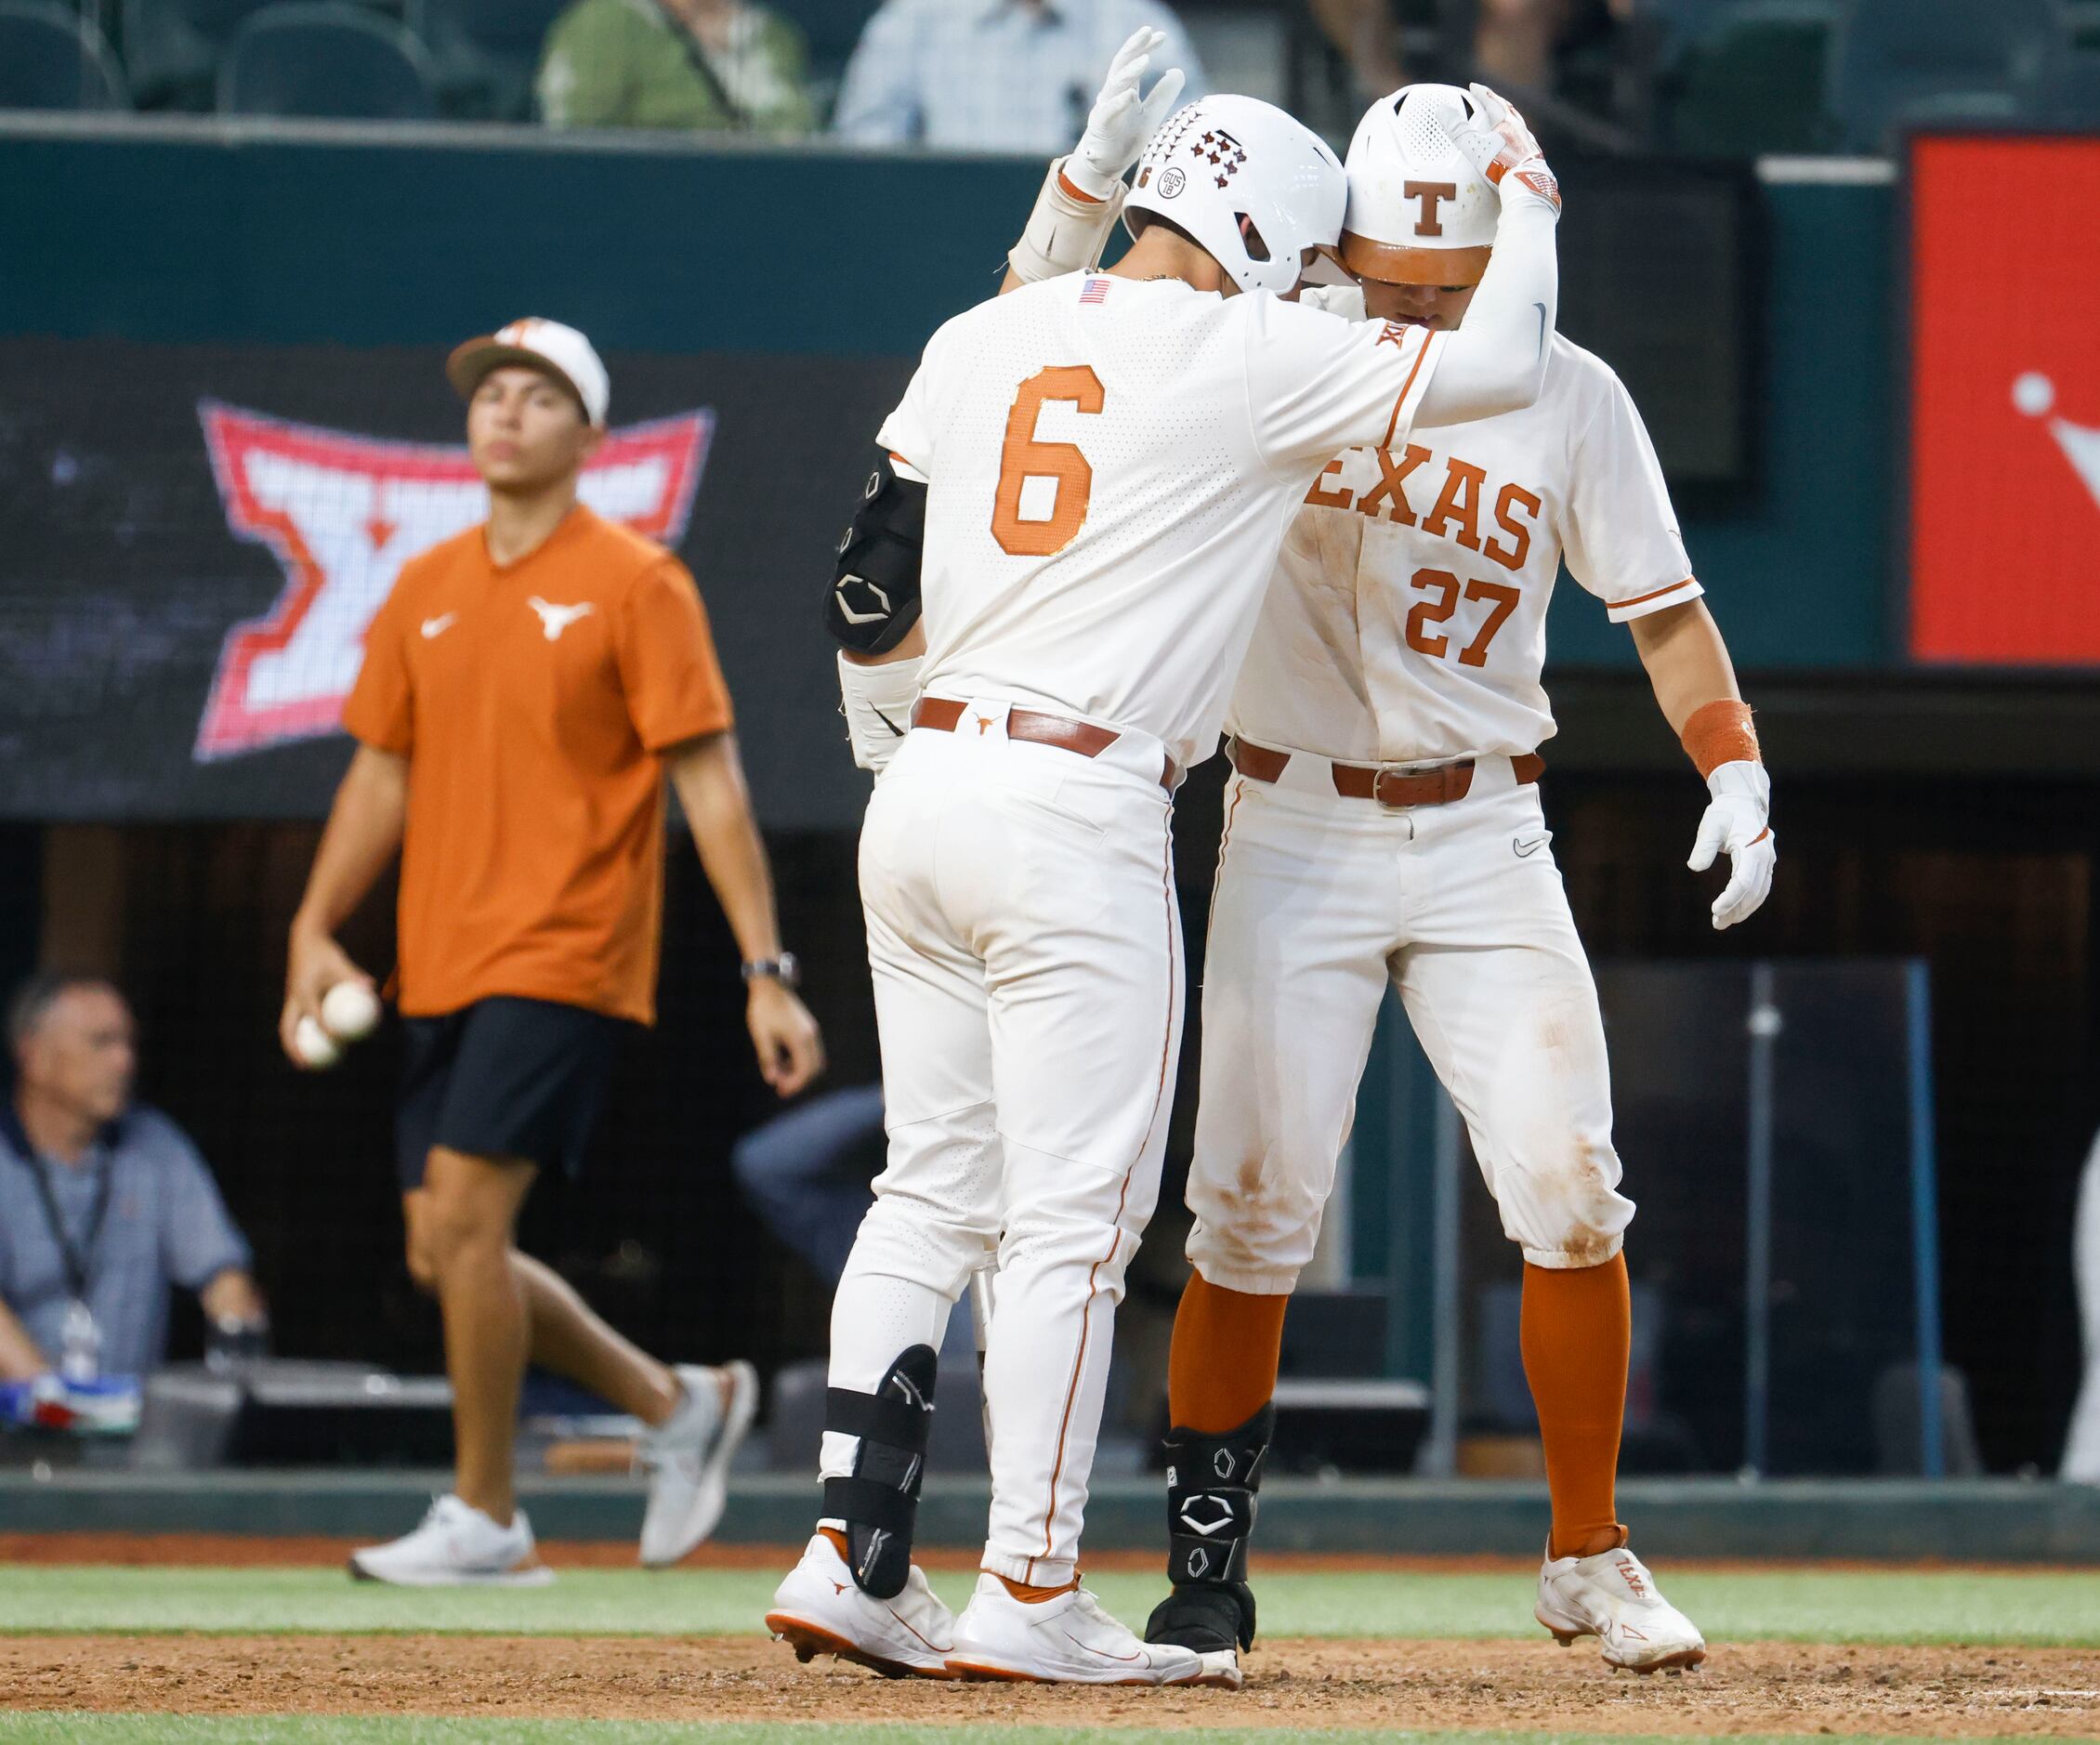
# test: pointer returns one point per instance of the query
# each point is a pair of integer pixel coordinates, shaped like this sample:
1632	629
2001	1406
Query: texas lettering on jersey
1496	520
342	513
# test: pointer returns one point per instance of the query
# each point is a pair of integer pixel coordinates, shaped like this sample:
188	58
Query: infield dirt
1758	1688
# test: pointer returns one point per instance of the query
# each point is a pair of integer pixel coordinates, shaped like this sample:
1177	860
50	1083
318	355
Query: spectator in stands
1515	42
103	1204
809	1175
807	1172
705	66
994	76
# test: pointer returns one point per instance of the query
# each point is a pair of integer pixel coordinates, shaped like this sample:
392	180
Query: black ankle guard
1208	1617
1211	1485
880	1503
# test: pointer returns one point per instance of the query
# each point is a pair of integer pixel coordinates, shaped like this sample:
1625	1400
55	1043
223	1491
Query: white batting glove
1499	144
1735	823
1121	122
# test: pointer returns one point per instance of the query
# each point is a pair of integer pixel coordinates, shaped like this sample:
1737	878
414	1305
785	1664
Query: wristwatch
786	969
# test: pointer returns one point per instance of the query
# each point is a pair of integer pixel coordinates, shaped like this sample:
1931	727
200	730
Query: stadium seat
2071	93
485	51
831	28
1895	57
326	60
171	48
1754	83
49	59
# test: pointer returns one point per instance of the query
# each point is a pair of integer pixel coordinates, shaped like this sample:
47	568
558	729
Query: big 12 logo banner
342	513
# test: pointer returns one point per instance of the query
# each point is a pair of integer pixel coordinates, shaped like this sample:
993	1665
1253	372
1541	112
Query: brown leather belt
1388	787
944	714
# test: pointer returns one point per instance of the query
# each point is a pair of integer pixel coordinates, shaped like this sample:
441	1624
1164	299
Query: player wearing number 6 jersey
1383	826
1113	461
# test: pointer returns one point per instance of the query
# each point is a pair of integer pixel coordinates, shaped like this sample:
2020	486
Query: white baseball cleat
1069	1640
818	1610
1613	1597
688	1459
456	1546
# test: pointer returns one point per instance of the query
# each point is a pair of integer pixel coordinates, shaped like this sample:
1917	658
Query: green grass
105	1730
2041	1609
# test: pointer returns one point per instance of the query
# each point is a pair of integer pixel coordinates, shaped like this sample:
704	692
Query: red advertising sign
2005	400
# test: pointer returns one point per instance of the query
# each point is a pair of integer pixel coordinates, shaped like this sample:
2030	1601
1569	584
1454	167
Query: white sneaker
1069	1640
456	1546
1613	1597
818	1610
688	1459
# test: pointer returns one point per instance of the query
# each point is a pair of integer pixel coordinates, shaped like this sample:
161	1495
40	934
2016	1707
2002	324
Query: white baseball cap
561	351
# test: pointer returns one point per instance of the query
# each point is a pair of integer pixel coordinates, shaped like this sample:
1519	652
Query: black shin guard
880	1503
1211	1485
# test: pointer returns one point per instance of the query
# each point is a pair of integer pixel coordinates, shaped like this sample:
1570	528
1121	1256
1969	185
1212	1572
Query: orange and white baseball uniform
1409	621
1406	627
1111	480
533	702
1113	465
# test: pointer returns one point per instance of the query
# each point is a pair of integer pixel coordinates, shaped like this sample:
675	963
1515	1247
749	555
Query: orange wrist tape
1067	186
1720	732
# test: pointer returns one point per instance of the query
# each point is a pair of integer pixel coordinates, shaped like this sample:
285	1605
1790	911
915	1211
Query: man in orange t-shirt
525	689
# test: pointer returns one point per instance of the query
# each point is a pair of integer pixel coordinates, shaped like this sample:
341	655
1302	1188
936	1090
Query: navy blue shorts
504	1078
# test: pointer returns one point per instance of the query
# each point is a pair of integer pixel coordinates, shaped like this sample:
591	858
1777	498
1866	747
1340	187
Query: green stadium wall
233	235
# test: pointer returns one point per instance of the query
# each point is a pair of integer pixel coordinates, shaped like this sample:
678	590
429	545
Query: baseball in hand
349	1011
314	1046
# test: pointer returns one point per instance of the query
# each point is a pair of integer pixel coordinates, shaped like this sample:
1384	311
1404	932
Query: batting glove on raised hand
1499	144
1734	822
1121	122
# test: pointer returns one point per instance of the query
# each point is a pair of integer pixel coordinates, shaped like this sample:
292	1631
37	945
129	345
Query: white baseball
314	1046
349	1011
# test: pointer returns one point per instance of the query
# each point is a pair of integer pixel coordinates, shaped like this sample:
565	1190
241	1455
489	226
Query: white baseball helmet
1419	211
1253	187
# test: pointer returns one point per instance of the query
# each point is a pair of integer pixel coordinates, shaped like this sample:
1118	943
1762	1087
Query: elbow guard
875	596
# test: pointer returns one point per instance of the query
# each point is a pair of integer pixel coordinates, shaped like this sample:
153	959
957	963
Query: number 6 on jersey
1060	465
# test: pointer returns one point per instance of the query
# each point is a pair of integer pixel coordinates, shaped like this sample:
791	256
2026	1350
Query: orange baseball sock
1578	1339
1222	1368
1029	1595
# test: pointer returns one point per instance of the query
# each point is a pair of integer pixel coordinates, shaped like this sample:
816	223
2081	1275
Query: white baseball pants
1319	900
1028	974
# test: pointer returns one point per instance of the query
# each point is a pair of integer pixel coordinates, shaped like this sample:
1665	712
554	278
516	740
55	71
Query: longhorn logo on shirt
342	513
554	618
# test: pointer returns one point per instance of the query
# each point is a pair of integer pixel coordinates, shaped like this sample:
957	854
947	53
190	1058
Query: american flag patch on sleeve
1095	290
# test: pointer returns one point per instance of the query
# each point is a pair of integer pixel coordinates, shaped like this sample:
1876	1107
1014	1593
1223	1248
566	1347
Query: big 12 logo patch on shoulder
342	513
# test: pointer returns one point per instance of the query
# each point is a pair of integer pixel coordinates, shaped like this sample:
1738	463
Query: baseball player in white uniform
1383	826
1112	463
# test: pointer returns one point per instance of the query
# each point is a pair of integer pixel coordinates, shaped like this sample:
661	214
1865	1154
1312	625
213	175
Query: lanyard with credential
76	1261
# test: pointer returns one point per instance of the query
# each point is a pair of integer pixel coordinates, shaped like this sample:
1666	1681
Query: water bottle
80	1355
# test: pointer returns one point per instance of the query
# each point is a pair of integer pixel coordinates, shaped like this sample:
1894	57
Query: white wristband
1066	231
876	702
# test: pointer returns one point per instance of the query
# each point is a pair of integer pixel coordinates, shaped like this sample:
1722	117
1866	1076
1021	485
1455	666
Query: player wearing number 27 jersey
1112	462
1384	828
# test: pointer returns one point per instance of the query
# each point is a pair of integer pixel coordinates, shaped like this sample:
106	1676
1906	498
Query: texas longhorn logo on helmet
342	513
